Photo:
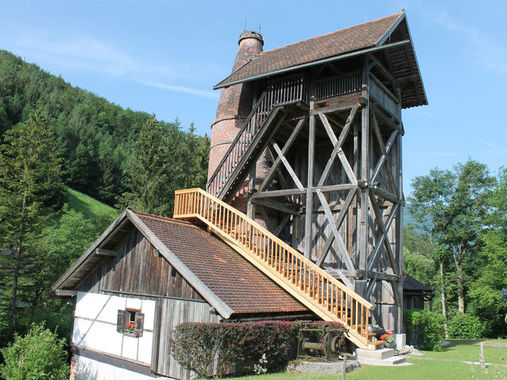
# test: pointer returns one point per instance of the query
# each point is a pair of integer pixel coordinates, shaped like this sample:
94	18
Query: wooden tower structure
316	165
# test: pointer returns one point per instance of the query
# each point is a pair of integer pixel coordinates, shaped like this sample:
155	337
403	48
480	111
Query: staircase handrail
246	233
228	155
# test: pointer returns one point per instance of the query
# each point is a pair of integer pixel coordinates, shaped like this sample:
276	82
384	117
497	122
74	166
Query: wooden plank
337	149
342	250
339	220
309	195
285	149
384	231
380	141
66	292
292	174
383	157
105	252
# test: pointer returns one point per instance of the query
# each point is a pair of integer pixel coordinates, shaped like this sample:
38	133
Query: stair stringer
312	286
352	335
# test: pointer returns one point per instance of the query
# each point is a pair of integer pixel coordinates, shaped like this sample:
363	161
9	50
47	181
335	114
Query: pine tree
30	190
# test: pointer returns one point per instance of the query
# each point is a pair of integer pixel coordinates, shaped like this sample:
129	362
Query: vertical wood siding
138	269
169	313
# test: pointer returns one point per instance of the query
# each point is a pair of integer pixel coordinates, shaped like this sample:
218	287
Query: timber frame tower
317	156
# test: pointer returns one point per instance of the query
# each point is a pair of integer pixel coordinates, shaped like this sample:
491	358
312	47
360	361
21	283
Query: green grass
88	206
448	364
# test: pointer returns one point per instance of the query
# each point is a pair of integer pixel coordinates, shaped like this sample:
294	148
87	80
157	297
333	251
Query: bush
424	329
466	326
37	355
216	349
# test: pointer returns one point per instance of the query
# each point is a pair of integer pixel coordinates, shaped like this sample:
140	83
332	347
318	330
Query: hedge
217	349
466	326
424	329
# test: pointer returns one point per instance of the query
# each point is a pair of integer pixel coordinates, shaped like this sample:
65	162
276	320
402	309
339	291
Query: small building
145	275
416	295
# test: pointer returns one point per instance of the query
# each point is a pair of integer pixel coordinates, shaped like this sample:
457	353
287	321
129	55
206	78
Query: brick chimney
235	102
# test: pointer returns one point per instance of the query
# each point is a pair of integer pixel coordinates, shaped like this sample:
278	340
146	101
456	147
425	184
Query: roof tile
232	278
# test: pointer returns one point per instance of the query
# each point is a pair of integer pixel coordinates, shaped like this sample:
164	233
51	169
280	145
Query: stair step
382	357
383	353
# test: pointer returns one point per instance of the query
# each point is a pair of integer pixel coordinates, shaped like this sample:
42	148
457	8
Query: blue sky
163	57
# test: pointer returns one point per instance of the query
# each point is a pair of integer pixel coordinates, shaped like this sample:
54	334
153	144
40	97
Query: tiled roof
315	49
411	283
232	278
391	30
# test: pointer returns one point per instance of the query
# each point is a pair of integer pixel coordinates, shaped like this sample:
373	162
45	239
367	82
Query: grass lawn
448	364
88	206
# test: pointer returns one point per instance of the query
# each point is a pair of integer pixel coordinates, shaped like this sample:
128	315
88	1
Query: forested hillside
95	138
59	145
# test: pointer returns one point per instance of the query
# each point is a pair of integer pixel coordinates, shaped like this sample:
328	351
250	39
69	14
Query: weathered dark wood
309	184
284	150
138	269
105	252
169	314
288	167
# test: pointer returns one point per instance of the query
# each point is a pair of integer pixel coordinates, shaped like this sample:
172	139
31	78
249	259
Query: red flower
131	324
382	337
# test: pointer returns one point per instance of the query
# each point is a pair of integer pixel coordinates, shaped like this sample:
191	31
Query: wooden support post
309	194
365	168
250	208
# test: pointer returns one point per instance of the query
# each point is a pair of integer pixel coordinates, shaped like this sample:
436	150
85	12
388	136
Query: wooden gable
138	269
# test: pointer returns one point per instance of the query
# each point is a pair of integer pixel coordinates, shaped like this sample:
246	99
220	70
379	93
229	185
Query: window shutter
120	321
139	323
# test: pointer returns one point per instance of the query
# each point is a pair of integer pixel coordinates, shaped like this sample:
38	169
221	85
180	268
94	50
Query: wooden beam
282	224
285	149
66	292
384	231
292	174
378	244
309	193
362	235
387	196
380	141
338	223
278	193
384	71
385	276
342	250
383	157
337	149
105	252
279	206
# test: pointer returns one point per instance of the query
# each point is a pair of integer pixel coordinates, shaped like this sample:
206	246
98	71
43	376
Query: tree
30	189
37	355
451	207
486	291
164	159
148	170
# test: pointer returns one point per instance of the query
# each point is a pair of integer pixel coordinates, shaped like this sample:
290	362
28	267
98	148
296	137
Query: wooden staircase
267	115
309	284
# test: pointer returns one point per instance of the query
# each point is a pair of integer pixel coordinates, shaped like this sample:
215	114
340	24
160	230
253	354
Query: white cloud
89	54
487	49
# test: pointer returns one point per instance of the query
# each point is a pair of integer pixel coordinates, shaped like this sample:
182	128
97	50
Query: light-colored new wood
312	286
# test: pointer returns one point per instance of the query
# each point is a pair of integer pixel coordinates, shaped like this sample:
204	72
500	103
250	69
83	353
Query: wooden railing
312	286
278	93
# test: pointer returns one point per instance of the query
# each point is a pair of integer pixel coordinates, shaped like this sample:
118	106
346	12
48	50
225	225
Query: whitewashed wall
88	369
95	319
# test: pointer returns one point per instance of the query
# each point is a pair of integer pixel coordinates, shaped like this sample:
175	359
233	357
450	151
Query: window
130	322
